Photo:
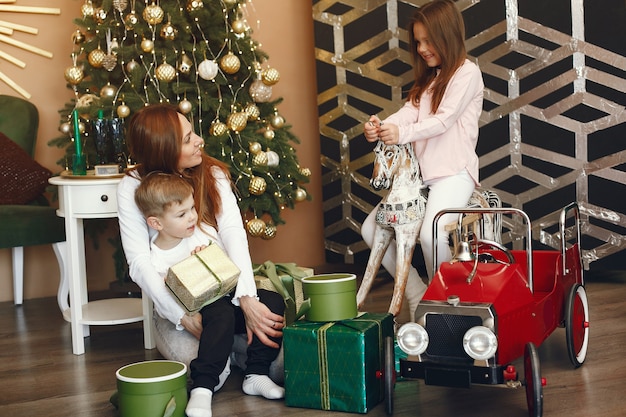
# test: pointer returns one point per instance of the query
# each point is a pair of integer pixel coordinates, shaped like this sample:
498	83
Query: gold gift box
202	278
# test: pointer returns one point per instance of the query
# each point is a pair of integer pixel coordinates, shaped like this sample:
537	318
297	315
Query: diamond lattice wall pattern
553	127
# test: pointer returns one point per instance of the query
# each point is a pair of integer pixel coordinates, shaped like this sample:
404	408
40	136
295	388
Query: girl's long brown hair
154	139
446	32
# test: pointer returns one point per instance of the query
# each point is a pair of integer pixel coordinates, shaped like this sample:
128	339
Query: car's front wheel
533	381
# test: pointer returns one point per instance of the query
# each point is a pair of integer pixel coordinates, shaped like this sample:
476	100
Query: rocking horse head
394	163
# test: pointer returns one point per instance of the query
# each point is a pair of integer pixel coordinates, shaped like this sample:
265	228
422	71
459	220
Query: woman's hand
371	129
193	324
261	321
389	134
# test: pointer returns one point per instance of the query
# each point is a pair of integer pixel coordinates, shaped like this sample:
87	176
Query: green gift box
337	365
202	278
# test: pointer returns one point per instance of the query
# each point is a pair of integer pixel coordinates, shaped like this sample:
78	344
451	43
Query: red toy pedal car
492	305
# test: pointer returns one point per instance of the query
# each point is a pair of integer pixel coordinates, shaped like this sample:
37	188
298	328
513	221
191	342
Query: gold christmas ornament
109	62
257	185
153	14
168	32
260	92
256	227
270	76
230	3
123	110
184	64
272	159
65	128
120	5
252	111
147	45
218	128
108	91
185	106
255	147
237	121
165	72
96	58
194	5
269	133
208	69
132	65
230	63
270	232
74	75
87	9
260	159
87	100
78	37
100	15
300	194
131	20
238	26
305	171
277	121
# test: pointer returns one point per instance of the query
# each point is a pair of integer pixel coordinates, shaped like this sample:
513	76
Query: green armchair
26	218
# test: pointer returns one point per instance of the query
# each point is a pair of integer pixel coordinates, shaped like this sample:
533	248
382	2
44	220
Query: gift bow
282	276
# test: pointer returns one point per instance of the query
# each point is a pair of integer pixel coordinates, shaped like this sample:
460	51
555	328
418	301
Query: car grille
446	332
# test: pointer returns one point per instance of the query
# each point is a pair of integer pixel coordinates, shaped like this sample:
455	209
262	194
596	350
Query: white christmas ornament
208	69
260	92
272	159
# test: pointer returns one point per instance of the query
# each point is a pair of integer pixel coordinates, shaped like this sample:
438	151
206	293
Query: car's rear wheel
389	373
534	385
577	324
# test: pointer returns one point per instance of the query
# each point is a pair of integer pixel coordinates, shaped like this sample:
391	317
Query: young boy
167	203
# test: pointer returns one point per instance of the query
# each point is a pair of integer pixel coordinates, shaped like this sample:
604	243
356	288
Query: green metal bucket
152	389
332	297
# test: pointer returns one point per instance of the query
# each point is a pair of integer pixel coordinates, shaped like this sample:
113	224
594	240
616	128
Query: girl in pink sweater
440	119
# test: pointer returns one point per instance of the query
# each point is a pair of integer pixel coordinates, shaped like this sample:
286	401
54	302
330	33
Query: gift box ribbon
322	354
322	357
284	287
217	278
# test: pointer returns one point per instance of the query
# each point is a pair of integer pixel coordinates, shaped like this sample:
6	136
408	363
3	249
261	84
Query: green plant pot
149	388
332	297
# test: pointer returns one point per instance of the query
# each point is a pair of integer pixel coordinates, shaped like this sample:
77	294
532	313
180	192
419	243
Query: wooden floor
39	376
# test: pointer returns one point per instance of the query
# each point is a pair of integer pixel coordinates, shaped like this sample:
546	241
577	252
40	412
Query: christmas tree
200	56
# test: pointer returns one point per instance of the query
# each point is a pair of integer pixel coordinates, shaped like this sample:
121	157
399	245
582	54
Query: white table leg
60	250
148	331
76	271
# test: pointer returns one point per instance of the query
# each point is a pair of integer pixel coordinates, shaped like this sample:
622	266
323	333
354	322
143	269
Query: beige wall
285	30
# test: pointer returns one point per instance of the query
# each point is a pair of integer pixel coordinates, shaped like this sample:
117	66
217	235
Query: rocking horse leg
382	238
405	248
414	291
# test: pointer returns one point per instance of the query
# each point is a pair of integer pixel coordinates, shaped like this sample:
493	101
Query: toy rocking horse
400	215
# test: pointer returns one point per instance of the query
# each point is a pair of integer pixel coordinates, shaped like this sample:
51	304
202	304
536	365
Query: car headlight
480	343
412	339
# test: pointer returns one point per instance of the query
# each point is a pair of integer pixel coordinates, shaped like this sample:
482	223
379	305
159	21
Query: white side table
91	197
